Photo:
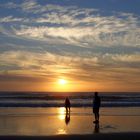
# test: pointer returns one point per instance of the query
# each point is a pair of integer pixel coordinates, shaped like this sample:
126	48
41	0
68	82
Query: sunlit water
53	121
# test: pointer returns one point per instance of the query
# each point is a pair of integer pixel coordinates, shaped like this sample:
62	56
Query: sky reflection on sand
53	121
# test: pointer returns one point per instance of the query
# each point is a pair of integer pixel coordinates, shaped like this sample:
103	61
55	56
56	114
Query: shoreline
99	136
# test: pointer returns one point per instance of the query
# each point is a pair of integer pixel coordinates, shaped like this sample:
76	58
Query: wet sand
54	121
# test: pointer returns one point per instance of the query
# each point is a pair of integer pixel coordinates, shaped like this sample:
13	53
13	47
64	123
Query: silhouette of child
67	104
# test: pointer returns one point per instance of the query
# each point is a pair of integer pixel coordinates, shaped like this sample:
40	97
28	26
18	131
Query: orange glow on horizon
70	85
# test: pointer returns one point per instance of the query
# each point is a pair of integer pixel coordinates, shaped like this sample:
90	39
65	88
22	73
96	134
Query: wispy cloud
127	58
47	63
78	26
80	43
10	19
105	35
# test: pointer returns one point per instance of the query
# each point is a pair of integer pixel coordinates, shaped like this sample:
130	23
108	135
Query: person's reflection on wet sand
67	117
97	128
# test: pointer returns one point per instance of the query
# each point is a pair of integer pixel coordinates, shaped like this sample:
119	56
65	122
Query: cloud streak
47	41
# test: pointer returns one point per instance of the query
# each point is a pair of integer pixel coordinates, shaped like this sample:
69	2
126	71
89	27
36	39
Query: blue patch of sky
106	7
128	6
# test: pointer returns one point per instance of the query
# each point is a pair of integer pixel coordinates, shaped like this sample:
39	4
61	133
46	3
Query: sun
62	84
62	81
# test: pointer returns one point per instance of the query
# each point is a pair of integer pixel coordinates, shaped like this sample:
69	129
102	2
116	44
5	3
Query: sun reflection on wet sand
61	116
61	112
61	131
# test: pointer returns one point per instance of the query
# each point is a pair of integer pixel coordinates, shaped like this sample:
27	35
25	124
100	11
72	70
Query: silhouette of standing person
96	106
67	104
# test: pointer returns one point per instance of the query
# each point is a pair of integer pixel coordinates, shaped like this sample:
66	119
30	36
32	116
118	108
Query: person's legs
96	116
94	112
66	109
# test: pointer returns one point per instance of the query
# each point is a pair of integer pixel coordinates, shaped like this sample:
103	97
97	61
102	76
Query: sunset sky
94	45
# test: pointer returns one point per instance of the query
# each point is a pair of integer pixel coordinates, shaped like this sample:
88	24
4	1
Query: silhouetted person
96	106
67	118
67	104
96	128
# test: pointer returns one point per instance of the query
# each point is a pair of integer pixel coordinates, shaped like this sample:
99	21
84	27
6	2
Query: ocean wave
104	104
77	99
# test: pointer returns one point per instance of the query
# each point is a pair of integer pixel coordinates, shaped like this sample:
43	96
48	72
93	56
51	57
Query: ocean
43	113
77	99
